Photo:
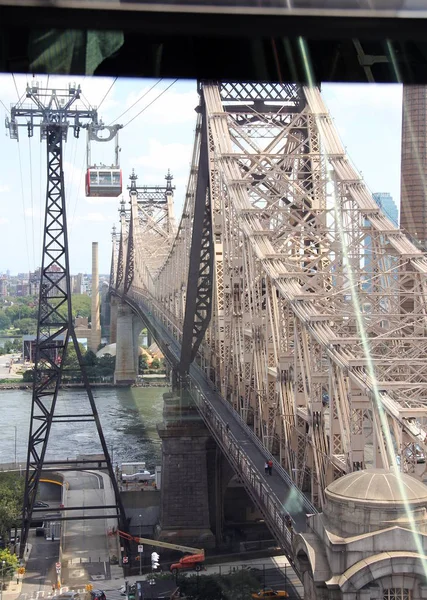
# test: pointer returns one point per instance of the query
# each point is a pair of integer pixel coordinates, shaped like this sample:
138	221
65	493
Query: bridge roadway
276	496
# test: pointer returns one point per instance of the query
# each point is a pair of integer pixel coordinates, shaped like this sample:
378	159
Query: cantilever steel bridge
298	299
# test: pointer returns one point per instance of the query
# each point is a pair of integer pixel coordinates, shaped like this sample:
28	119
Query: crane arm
159	544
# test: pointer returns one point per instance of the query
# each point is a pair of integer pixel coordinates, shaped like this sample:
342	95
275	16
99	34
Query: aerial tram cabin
102	180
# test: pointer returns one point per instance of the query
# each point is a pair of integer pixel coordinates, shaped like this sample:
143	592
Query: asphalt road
85	553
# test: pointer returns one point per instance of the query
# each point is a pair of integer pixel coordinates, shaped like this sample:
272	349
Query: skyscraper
389	208
387	205
413	204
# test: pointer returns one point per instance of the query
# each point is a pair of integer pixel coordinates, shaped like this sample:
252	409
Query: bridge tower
151	209
54	112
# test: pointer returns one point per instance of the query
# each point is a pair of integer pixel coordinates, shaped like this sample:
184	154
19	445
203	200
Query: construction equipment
194	561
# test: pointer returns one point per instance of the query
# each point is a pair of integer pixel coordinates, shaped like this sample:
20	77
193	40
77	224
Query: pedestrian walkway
292	501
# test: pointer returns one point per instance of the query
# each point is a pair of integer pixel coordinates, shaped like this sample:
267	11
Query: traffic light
154	560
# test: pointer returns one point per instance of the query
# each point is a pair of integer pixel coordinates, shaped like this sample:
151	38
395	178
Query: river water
128	417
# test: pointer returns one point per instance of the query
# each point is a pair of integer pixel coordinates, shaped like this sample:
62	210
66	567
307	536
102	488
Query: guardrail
309	507
269	504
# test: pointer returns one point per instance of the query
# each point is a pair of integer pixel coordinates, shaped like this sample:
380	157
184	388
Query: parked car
97	595
141	476
270	593
40	504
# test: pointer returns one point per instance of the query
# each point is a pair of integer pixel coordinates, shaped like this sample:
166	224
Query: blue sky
367	116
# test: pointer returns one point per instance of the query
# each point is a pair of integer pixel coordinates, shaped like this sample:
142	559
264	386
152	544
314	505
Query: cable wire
108	91
16	87
32	200
136	101
152	102
23	206
8	110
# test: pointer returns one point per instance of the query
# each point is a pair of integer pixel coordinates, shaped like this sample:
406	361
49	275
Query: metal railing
309	507
272	509
269	504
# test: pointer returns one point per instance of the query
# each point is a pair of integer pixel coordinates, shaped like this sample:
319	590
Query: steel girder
198	303
54	331
318	329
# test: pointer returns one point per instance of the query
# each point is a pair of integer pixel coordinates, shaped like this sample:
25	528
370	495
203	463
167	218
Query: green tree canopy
26	326
5	321
11	499
11	562
80	306
236	586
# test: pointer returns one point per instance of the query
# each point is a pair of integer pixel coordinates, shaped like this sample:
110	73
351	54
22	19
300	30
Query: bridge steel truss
318	330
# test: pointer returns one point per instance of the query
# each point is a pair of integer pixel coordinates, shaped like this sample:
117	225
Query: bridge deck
276	495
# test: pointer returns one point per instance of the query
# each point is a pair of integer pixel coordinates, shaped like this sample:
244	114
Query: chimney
95	336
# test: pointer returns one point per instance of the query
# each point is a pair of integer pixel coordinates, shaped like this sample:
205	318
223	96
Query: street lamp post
3	562
140	554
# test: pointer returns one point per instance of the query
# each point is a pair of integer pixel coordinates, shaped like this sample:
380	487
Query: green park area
18	317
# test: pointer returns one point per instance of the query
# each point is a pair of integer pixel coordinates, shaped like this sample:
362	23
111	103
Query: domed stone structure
363	546
366	501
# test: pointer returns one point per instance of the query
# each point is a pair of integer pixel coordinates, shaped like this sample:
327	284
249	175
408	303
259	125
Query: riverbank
23	385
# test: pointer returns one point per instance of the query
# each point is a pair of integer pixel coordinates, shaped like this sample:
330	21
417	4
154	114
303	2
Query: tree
5	321
11	500
71	363
11	562
106	365
28	376
26	326
236	586
155	364
89	359
142	363
80	306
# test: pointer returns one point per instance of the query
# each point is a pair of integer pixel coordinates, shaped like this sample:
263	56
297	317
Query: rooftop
378	486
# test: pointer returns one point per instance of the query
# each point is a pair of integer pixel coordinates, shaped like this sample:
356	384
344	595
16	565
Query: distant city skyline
160	138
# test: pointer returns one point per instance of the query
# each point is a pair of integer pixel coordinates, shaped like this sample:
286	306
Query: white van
141	476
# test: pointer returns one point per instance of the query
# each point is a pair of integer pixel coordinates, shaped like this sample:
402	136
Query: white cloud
175	157
100	201
4	221
171	107
363	96
94	217
4	188
32	212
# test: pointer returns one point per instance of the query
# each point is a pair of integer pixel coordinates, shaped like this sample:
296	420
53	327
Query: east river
128	417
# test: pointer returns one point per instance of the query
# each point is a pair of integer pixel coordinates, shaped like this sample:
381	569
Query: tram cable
108	91
5	106
150	103
23	206
136	101
16	87
32	201
22	187
82	172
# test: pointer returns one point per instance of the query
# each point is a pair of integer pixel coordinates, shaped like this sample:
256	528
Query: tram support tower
54	112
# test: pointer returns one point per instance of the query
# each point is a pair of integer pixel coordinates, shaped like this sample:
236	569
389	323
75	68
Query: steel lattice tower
53	112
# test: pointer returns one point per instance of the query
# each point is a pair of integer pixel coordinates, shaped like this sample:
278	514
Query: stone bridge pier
128	329
114	303
194	478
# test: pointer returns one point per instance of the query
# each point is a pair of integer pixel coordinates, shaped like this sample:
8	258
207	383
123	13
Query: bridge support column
128	328
113	319
184	513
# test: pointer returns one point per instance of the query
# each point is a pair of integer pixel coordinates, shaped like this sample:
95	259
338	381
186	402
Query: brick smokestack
95	322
